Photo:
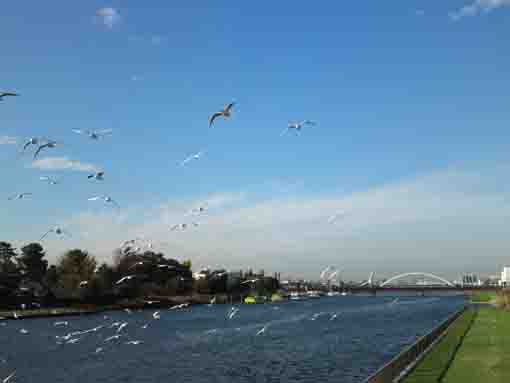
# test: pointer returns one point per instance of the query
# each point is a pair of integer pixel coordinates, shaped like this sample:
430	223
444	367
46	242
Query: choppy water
302	342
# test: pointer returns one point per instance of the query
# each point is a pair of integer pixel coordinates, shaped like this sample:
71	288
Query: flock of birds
114	331
42	144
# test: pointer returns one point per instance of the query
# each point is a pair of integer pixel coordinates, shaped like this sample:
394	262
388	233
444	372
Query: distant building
471	280
505	277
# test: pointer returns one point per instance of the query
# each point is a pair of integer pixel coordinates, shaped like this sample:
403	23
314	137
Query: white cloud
63	163
447	222
8	140
477	7
108	16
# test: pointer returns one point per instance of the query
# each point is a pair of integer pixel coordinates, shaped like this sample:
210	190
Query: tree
74	267
7	258
32	262
187	264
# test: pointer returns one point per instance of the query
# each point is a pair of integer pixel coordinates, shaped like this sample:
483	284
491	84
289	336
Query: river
303	342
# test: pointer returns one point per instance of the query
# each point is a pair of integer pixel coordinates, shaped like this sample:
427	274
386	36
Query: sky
411	142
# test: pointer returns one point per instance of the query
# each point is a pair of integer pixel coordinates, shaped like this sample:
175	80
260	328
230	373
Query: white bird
156	315
233	312
7	94
15	315
73	341
136	264
106	199
115	324
335	216
181	306
9	377
134	342
225	113
145	326
98	350
198	210
23	331
192	157
124	324
126	278
250	281
19	196
63	323
333	275
83	283
31	141
49	180
262	330
57	230
98	176
325	271
213	301
50	145
297	126
333	317
94	134
112	337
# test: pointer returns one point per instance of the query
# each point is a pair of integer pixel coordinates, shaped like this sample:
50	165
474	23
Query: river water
303	342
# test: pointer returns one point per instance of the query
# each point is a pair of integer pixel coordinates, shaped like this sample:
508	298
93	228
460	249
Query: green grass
483	296
432	367
484	356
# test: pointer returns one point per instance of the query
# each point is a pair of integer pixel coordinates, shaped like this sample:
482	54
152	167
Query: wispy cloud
477	7
63	163
108	16
442	222
8	140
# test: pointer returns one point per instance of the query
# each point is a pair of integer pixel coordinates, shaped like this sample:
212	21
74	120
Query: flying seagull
49	180
57	230
94	134
99	176
9	377
335	217
126	278
198	210
156	315
226	113
7	94
19	196
297	126
105	199
49	145
261	331
192	157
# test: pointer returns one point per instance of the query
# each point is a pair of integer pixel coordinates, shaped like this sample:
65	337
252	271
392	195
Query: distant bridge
405	275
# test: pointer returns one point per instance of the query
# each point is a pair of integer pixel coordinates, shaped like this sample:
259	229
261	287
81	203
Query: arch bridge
416	274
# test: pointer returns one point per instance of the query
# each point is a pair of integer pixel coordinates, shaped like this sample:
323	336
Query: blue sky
401	91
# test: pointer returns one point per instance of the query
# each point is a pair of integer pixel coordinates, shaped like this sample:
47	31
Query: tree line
26	277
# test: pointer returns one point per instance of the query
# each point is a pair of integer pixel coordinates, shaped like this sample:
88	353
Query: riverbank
477	352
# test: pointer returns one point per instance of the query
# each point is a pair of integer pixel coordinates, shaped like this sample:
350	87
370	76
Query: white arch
421	274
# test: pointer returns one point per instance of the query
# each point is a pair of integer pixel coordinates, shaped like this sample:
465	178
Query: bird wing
285	131
114	203
26	145
78	131
39	149
229	107
97	198
12	94
104	132
186	160
214	117
45	234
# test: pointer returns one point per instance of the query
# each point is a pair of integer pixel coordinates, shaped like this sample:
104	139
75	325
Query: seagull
127	278
226	113
49	145
192	157
128	310
15	315
112	337
136	264
181	306
233	312
250	281
297	126
156	315
63	323
213	301
179	226
335	216
23	331
134	342
83	283
124	324
262	331
98	176
166	267
94	135
49	180
98	350
198	210
9	377
7	94
73	341
57	230
145	326
106	199
333	317
19	196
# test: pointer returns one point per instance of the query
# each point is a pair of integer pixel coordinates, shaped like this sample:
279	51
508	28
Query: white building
505	277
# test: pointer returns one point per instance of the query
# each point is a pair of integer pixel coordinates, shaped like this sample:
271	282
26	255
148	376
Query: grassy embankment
433	366
483	355
484	297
